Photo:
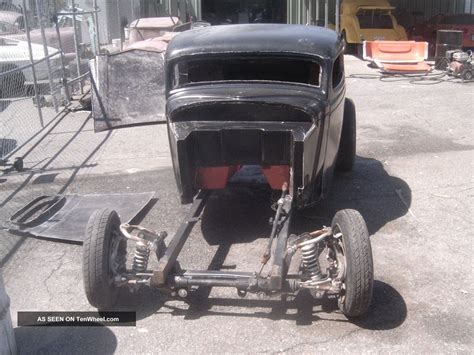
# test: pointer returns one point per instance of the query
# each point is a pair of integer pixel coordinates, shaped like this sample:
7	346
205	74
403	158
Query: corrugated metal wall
431	8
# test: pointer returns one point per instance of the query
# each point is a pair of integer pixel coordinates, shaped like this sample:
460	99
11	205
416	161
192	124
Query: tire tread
95	259
359	263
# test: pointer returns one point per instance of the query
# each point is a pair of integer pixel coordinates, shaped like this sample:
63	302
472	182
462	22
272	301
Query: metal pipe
337	15
310	12
63	64
120	25
33	69
72	81
76	44
45	50
326	13
217	274
181	281
96	23
75	13
317	11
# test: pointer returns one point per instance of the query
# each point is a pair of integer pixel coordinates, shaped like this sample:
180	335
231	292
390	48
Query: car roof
256	38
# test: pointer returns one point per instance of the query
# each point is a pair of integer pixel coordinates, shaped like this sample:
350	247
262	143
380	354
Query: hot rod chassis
328	243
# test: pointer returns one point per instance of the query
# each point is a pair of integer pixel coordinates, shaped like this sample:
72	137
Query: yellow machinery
369	20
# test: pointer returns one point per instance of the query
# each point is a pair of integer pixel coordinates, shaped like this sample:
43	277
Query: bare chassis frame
169	276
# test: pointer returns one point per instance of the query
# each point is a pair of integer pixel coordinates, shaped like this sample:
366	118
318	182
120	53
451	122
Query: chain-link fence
44	50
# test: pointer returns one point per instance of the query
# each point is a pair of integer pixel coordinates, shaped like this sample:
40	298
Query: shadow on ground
387	311
65	340
379	197
32	177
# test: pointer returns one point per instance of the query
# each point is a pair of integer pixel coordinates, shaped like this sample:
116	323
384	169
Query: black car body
266	94
269	95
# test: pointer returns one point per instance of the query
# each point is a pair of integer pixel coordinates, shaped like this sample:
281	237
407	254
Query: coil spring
310	256
140	258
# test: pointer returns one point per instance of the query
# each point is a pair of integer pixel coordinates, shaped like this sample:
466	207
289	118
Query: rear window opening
379	19
291	70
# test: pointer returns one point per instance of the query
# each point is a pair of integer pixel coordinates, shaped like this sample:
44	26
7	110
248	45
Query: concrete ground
412	181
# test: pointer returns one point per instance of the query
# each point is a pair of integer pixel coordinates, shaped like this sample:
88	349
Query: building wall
299	11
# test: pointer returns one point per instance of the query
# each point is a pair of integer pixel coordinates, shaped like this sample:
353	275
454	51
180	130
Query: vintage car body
257	94
267	95
369	20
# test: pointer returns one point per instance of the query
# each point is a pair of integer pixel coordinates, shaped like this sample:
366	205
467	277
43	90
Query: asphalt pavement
412	182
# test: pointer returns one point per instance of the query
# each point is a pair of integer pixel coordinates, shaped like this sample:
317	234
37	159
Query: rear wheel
347	146
349	48
354	250
104	253
466	75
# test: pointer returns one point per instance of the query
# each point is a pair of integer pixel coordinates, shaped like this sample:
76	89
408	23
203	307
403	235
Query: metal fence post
317	12
63	64
96	20
40	15
33	69
326	13
76	44
337	16
120	25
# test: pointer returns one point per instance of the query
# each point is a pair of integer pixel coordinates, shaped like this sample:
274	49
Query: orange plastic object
394	68
395	51
214	178
277	175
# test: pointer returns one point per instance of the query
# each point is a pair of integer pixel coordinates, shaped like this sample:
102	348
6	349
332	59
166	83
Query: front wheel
354	250
104	255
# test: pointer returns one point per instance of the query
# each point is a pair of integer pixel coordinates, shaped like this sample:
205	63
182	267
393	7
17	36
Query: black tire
347	145
360	50
359	274
100	239
349	48
466	75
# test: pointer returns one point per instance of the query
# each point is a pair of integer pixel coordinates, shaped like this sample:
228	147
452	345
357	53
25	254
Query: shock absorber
310	258
141	255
